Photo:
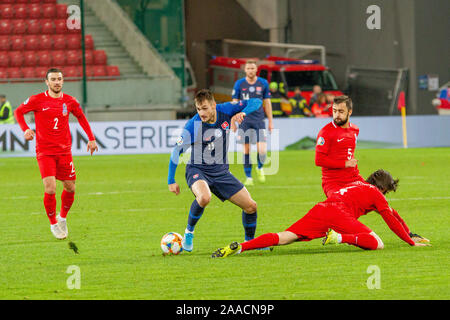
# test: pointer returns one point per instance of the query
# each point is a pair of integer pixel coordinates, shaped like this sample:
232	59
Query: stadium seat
34	26
40	72
90	71
17	43
3	73
30	59
50	1
45	59
48	11
14	73
15	59
100	57
99	71
22	1
60	26
59	57
89	57
34	11
4	59
59	42
19	26
47	27
31	42
71	72
73	58
112	71
28	73
7	1
61	11
6	27
45	42
89	42
20	11
73	42
5	43
6	11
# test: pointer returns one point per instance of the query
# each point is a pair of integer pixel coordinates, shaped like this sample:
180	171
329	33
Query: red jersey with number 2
335	145
52	122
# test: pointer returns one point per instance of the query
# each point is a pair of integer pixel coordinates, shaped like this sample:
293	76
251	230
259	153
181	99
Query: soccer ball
171	243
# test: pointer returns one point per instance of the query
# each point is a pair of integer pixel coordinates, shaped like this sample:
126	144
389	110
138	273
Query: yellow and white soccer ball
171	243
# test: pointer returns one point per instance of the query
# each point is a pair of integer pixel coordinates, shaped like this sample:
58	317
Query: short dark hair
251	61
346	99
202	95
383	180
52	70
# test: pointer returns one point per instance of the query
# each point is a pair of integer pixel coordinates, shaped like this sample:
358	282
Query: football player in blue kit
253	128
207	170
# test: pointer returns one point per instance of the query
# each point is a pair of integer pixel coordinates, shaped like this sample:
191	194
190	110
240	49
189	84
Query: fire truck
290	72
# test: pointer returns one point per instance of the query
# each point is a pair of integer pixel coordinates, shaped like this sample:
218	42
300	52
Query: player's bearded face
206	111
340	114
55	82
250	70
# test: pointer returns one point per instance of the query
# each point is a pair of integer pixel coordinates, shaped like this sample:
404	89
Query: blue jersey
243	91
209	141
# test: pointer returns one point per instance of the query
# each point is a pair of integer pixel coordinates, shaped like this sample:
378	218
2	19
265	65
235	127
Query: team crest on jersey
195	176
65	113
225	125
251	89
320	141
179	141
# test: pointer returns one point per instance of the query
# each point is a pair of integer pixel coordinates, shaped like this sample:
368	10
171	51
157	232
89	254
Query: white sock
339	238
187	231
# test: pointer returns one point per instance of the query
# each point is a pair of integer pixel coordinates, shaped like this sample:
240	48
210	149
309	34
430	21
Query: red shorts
322	217
59	166
330	187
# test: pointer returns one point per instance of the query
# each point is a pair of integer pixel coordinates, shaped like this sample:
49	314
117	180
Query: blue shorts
223	184
252	132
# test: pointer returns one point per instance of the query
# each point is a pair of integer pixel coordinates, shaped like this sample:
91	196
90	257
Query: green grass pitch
123	207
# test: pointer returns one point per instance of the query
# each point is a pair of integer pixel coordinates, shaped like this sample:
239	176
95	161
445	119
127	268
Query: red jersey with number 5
335	145
52	122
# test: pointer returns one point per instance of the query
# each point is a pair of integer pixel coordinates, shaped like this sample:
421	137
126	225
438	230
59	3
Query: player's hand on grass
175	188
29	134
351	163
92	146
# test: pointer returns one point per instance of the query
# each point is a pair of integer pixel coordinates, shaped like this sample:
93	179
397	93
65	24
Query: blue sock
194	215
261	159
247	166
249	223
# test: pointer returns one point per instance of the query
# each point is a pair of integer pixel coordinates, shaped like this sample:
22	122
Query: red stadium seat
28	73
47	27
73	58
17	43
34	26
7	1
49	11
4	59
100	57
40	72
20	11
15	59
31	42
6	27
6	11
22	1
5	43
45	42
99	71
34	11
59	42
71	72
90	71
34	1
59	57
61	11
45	59
89	42
3	73
73	42
60	26
89	57
30	58
19	26
49	1
14	73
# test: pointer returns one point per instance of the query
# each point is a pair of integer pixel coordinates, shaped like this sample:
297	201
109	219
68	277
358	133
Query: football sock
261	159
50	207
66	203
249	223
263	241
194	215
247	166
363	240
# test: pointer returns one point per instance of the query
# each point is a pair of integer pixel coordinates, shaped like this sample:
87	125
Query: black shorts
223	184
251	132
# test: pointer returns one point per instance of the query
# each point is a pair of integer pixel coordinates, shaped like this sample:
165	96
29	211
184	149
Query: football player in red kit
54	144
335	148
339	216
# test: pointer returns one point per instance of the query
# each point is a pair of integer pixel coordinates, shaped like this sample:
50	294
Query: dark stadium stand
34	36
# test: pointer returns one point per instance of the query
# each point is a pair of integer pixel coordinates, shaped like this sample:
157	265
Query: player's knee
50	187
69	187
251	207
203	200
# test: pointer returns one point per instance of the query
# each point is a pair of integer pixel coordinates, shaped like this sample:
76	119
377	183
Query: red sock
265	240
50	207
66	202
363	240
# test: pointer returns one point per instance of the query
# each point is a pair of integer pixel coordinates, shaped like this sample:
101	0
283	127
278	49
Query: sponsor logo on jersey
226	125
339	140
320	141
65	113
